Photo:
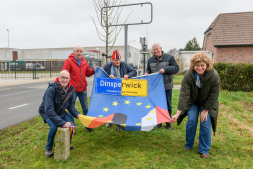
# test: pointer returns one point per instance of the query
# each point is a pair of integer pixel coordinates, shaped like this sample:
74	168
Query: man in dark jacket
118	69
79	69
56	99
165	64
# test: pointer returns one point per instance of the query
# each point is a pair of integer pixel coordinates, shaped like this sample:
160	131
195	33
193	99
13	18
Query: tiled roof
232	29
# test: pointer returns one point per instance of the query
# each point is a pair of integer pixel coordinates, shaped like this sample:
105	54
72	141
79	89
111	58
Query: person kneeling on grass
56	99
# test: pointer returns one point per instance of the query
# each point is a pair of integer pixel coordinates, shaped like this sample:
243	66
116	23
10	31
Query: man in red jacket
79	69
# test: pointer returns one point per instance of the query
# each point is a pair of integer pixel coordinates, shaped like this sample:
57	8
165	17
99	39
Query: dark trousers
168	97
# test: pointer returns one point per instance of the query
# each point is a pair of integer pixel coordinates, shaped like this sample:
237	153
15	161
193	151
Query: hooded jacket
51	103
78	73
208	97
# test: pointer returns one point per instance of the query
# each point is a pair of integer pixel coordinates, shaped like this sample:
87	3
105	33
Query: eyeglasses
64	78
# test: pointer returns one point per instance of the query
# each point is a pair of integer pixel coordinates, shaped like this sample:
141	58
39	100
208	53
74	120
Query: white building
185	57
53	54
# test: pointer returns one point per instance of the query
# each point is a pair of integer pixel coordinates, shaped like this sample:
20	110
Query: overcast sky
67	23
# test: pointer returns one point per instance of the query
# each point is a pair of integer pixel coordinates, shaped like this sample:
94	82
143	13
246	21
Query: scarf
199	79
63	91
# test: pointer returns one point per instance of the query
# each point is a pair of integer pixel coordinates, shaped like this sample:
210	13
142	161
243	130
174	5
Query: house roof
232	29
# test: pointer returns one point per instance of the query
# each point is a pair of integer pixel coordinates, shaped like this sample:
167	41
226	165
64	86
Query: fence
36	69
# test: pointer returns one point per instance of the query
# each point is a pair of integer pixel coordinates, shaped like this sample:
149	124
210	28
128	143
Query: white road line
21	92
18	106
4	88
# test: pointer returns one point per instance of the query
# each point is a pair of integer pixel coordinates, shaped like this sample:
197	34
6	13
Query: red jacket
78	74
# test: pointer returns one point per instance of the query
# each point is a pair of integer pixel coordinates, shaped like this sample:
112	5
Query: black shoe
48	152
108	125
168	126
89	129
71	148
119	129
159	125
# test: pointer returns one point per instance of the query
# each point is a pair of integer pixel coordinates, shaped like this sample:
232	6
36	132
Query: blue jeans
53	130
205	130
168	97
83	100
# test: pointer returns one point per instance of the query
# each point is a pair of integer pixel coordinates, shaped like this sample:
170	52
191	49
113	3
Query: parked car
31	66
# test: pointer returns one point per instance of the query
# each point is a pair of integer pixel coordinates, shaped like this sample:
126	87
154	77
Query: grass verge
22	145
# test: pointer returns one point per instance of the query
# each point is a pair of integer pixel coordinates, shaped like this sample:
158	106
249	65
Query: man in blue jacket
118	69
56	99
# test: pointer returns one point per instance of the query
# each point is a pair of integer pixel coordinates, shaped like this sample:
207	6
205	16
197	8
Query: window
42	63
54	64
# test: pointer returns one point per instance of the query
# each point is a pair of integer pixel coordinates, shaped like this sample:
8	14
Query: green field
22	145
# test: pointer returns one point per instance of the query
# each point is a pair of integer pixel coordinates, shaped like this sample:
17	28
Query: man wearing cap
118	69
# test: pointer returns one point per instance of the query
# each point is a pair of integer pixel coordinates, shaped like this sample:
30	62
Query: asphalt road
21	102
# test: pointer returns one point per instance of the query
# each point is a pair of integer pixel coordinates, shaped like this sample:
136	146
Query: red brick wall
235	54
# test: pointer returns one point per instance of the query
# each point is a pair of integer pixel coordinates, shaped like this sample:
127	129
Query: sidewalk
11	82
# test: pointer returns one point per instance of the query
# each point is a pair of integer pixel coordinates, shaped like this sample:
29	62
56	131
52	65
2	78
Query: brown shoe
186	148
203	155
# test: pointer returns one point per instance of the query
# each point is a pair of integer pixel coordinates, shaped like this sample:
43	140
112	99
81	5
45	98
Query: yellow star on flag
115	103
148	106
105	109
124	125
152	111
139	104
149	118
127	102
138	124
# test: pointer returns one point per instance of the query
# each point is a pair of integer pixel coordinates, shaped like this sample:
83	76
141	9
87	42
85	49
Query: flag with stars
131	113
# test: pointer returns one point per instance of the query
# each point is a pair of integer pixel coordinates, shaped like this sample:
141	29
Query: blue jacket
124	69
51	103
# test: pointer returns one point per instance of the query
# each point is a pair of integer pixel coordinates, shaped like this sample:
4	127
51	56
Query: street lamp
8	50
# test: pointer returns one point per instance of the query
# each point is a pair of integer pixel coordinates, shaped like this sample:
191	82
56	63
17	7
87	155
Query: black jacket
167	62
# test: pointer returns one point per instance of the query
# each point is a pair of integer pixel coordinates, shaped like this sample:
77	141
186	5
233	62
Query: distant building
230	38
57	56
185	57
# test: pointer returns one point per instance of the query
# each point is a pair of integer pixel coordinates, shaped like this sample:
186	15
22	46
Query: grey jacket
167	62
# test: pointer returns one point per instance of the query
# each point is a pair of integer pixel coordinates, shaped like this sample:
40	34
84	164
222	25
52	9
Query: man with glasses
79	69
118	69
56	99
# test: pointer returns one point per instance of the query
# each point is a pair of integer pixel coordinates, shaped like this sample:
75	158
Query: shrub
235	77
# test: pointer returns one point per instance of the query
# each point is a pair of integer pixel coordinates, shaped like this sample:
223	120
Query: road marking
18	106
4	88
20	92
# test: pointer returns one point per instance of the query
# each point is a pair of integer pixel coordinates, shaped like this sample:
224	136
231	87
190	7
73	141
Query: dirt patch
248	105
239	124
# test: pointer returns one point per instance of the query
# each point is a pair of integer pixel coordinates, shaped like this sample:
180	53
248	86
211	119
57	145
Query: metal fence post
50	69
15	68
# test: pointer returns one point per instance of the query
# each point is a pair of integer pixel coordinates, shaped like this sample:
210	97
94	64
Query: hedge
235	77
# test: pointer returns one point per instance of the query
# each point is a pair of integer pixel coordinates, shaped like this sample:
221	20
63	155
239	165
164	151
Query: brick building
230	38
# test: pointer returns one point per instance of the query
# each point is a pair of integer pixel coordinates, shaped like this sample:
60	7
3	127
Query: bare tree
174	52
110	16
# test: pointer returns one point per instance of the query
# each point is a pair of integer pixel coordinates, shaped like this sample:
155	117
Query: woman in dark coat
199	95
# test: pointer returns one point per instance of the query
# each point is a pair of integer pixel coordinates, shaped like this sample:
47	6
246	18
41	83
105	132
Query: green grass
22	145
177	79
